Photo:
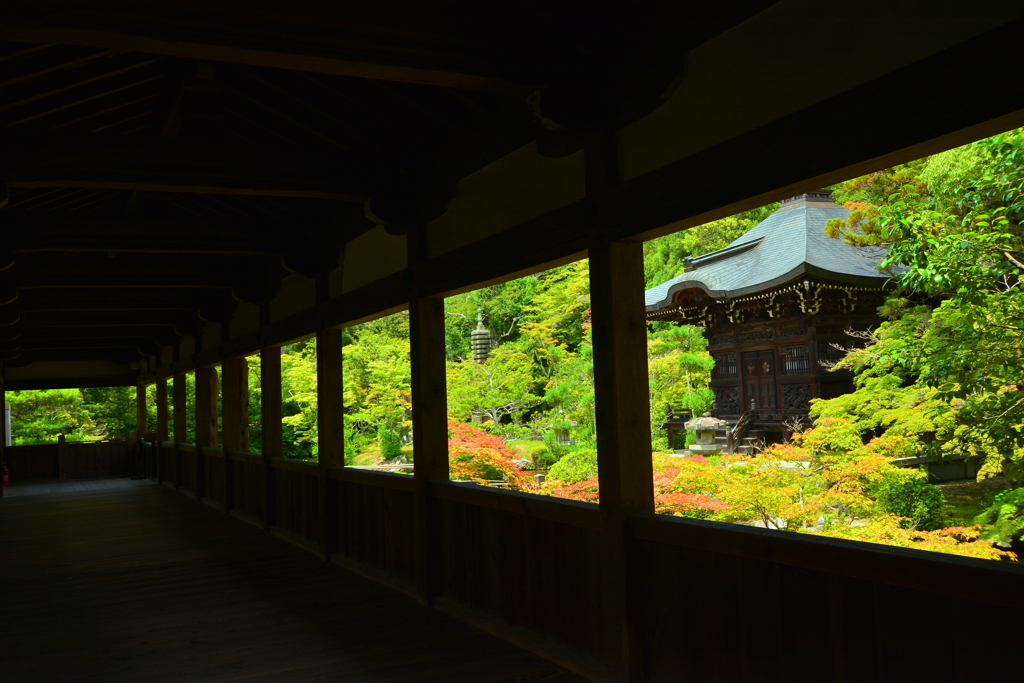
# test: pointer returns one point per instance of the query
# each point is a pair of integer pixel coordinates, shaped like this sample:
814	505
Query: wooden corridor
141	584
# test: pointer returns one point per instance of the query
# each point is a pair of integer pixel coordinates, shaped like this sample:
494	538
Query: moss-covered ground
965	499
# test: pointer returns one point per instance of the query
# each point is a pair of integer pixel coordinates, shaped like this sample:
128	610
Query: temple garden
828	375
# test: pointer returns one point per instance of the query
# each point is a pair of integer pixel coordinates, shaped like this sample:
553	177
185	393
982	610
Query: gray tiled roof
789	243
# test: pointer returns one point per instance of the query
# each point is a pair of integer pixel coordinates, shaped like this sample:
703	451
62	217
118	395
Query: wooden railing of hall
724	602
613	591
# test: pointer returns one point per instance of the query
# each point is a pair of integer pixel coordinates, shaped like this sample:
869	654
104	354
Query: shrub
906	493
1006	515
542	457
576	466
390	443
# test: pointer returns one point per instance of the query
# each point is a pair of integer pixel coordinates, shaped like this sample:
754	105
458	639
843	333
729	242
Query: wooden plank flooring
138	583
35	488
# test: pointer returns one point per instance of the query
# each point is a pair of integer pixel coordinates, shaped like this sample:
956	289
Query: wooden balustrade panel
249	480
213	476
753	609
530	573
166	463
375	528
31	462
98	459
298	503
188	471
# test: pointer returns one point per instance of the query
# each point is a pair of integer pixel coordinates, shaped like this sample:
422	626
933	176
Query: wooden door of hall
759	379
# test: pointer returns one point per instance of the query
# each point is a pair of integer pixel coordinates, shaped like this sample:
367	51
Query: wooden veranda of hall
185	185
137	584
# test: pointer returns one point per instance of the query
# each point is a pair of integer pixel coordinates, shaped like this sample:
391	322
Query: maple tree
474	455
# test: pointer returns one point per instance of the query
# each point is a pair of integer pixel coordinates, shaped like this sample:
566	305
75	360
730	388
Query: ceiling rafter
58	67
285	117
118	123
351	132
78	84
85	100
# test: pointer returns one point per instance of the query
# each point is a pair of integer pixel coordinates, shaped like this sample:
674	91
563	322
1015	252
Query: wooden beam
118	298
169	166
292	52
622	414
430	444
270	405
128	379
153	320
144	233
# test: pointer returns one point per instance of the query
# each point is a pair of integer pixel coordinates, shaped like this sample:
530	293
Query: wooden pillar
430	430
180	423
140	410
62	458
272	446
3	431
622	415
141	425
330	427
161	425
206	422
161	410
236	419
206	408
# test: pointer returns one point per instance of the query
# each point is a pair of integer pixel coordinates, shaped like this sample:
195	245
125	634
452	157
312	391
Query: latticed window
829	354
796	359
725	365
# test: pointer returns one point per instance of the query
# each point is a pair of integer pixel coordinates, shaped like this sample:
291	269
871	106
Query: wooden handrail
570	512
384	480
734	436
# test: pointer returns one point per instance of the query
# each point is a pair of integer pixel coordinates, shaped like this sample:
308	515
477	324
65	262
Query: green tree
952	227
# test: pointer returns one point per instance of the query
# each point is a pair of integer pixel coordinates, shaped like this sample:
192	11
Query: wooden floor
35	488
138	583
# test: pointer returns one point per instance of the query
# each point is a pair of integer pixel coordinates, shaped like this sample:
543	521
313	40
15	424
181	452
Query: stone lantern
705	426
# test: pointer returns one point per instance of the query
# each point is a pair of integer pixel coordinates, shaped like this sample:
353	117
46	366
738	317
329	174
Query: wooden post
330	427
622	415
206	421
206	407
430	430
180	423
270	402
161	424
141	423
141	418
62	458
3	430
236	419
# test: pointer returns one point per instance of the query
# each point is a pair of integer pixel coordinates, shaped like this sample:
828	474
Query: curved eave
804	269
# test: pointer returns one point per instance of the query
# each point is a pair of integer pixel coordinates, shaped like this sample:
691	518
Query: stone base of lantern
705	448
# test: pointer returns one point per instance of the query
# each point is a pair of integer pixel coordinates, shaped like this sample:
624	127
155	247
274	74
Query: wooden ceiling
165	160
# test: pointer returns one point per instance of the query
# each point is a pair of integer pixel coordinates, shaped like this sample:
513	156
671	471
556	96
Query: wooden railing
734	437
70	460
718	601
